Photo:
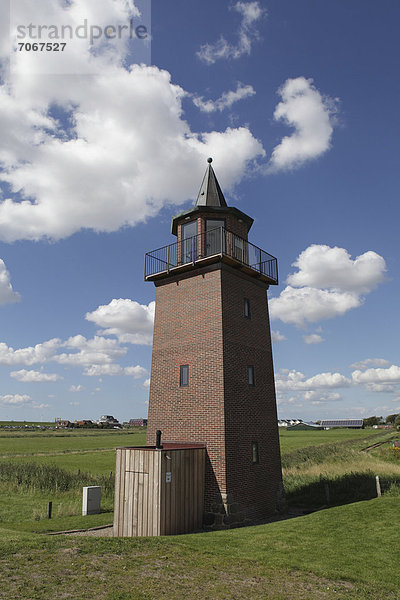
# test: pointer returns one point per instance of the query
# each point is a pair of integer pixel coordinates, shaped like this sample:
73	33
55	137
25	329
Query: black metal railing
218	241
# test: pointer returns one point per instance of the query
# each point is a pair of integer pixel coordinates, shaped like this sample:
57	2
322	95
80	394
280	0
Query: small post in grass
378	487
327	494
49	509
91	500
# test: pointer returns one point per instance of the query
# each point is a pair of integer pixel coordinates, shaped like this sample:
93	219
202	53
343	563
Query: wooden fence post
327	494
378	487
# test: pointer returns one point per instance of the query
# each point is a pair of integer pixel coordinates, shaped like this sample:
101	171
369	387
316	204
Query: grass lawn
27	423
292	440
50	442
347	552
98	462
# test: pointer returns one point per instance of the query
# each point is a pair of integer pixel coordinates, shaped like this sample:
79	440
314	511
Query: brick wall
250	412
200	322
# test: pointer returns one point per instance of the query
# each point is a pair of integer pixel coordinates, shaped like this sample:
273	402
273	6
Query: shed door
136	503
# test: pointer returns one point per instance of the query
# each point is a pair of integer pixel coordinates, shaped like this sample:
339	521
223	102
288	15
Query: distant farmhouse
288	422
85	423
349	423
108	421
63	423
137	423
304	426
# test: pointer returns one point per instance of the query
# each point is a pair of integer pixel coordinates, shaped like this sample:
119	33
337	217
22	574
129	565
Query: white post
378	487
91	500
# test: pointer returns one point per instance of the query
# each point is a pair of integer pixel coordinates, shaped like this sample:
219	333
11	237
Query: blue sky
297	103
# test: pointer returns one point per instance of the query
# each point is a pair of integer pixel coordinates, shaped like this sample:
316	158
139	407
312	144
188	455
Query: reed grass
340	473
50	478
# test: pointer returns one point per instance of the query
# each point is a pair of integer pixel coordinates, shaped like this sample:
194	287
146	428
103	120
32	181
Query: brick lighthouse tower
212	378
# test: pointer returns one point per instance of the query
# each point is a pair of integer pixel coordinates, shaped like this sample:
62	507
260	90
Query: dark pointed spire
210	193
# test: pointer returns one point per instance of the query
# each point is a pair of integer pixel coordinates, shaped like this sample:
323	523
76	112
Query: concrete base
229	514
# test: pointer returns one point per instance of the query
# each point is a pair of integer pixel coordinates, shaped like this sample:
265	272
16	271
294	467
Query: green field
348	551
292	440
50	442
26	423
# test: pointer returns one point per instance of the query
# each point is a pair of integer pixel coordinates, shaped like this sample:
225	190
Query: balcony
215	245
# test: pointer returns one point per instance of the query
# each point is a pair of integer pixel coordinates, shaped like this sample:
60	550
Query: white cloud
370	362
64	172
321	266
328	283
130	321
251	13
277	336
98	350
312	116
378	376
76	388
30	355
226	100
136	372
296	381
318	397
74	403
20	401
15	400
7	294
313	338
84	352
146	383
34	376
310	304
385	388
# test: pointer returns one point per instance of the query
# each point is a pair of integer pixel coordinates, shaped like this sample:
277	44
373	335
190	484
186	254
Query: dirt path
368	448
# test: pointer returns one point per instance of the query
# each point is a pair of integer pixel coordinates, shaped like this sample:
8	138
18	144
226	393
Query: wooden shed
159	491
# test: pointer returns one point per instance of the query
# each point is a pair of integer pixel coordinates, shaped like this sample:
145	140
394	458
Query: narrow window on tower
184	376
255	459
246	308
250	373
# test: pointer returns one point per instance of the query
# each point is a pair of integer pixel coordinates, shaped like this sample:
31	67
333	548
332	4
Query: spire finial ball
209	160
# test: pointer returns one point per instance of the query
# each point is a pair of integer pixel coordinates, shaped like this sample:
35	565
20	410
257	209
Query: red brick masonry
200	322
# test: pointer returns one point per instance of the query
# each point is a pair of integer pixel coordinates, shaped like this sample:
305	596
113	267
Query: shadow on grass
352	487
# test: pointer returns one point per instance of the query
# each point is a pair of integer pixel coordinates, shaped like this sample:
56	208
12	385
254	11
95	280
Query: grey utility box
91	500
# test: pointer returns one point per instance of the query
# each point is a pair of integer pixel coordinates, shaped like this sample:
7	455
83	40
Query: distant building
304	426
349	423
288	422
63	423
85	423
108	420
137	423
